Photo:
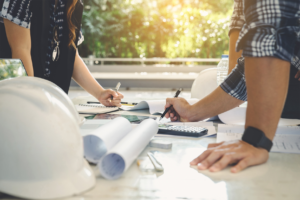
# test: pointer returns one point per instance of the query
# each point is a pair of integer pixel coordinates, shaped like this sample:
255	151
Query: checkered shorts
272	29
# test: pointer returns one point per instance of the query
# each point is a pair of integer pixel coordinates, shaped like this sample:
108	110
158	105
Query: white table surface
279	178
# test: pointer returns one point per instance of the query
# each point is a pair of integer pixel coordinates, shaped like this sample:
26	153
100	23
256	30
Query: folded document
286	140
237	116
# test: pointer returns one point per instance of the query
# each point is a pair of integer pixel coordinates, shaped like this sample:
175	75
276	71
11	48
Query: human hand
180	110
219	155
105	98
297	76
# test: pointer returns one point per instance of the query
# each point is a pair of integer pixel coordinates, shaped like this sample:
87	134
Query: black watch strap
257	138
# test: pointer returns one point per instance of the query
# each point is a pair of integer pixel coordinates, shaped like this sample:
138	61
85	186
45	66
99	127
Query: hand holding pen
167	110
111	97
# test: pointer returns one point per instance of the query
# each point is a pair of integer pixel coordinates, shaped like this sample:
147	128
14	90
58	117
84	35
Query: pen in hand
167	110
116	90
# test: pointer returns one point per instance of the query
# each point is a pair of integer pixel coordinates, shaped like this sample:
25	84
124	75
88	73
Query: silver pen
116	90
157	165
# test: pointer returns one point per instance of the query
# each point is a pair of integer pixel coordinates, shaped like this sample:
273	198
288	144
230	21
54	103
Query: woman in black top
45	35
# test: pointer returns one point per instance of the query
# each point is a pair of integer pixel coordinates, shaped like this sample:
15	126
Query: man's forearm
215	103
233	55
267	85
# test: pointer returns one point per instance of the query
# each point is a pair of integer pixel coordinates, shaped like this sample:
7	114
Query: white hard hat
205	83
41	149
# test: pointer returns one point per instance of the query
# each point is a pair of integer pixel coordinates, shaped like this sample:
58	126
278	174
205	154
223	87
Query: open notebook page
94	109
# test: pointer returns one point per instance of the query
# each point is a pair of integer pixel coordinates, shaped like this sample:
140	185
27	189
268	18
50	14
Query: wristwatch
257	138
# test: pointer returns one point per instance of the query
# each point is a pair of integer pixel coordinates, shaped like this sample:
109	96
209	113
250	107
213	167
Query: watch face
253	136
257	138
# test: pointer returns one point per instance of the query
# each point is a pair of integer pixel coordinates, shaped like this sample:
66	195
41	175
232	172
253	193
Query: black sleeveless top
61	70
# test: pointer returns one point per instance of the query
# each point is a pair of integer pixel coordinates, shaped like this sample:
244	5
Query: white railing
148	72
184	61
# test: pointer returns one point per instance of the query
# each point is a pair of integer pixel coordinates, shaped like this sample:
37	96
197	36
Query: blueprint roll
119	159
100	141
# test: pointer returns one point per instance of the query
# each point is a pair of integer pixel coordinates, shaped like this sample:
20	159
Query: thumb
169	102
111	92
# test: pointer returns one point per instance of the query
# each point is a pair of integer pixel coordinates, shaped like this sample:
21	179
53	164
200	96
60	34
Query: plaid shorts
272	29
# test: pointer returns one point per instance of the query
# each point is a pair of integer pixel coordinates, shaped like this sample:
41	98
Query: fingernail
234	170
192	163
213	169
200	166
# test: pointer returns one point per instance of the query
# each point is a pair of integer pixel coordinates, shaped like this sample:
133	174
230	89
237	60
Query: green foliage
10	68
158	28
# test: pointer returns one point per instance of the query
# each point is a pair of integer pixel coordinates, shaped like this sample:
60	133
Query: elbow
21	52
24	49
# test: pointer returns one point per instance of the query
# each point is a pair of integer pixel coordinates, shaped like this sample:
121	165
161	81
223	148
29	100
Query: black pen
128	103
92	102
167	110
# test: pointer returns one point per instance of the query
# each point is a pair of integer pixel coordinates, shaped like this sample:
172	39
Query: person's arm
297	76
236	23
233	55
84	78
19	40
215	103
267	84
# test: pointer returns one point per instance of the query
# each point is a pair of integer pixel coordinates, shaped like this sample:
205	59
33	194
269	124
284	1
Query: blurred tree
157	28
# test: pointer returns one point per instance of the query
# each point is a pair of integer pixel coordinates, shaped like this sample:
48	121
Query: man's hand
180	111
105	98
219	155
297	76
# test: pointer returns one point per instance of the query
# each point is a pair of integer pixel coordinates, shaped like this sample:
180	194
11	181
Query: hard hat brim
50	189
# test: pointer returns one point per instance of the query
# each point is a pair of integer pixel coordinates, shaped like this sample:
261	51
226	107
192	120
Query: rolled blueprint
100	141
118	160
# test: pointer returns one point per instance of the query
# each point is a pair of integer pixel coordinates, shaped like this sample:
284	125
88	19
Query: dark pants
292	104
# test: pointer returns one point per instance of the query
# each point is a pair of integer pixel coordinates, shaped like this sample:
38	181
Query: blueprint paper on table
123	154
98	142
237	116
116	144
286	140
155	106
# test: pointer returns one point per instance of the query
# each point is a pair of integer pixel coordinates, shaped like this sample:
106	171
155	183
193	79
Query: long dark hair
72	28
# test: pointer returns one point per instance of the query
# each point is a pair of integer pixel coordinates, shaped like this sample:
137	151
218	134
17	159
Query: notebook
94	109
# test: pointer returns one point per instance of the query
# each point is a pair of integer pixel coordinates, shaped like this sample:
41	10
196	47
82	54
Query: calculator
190	131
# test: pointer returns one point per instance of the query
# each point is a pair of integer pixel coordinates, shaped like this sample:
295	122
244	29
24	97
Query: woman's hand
220	155
105	98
